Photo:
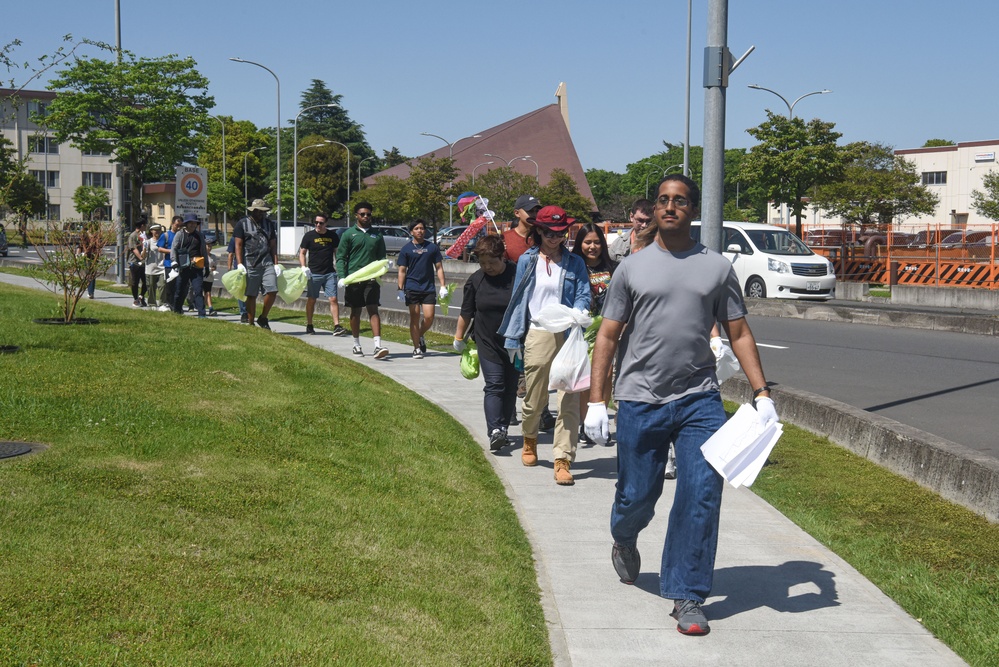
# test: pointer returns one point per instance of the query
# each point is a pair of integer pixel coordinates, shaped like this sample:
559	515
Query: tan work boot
529	457
562	474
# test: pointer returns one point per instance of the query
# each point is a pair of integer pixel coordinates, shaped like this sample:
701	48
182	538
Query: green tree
933	143
561	190
225	197
148	111
792	158
501	186
390	198
330	122
987	203
91	200
878	188
429	190
391	158
323	170
608	191
306	200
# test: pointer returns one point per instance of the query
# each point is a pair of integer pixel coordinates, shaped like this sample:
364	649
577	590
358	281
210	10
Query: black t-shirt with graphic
322	251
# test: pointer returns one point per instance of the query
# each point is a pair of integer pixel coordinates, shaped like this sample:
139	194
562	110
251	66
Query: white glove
401	295
515	353
596	425
718	347
307	271
278	269
340	285
173	274
459	345
442	292
241	269
765	411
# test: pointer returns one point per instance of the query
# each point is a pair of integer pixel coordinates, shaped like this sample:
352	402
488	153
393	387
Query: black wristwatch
757	392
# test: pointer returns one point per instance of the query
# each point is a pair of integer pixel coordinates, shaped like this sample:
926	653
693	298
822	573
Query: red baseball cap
553	218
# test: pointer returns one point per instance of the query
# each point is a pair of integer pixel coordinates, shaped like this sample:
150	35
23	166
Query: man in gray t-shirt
661	305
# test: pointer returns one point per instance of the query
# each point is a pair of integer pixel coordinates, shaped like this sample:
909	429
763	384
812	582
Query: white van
772	262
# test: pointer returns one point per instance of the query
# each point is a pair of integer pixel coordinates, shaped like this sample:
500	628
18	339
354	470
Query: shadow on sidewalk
753	586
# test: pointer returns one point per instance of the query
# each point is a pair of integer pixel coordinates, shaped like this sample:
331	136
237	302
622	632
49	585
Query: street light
790	105
481	164
372	157
225	219
503	159
246	199
277	133
527	158
450	184
295	177
295	167
347	207
665	171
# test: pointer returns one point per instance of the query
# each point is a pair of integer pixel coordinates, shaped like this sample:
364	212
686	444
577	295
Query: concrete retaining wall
946	297
957	473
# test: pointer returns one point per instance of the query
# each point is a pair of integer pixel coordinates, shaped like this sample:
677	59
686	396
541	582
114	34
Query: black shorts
363	294
414	298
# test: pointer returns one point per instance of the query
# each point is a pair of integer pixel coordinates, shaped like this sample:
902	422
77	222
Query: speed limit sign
192	193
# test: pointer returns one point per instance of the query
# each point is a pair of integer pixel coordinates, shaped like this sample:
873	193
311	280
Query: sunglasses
552	235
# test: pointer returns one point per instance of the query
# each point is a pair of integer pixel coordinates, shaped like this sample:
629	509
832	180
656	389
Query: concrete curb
954	471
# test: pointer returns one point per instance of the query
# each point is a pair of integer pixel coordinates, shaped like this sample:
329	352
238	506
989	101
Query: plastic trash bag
291	283
445	302
235	283
375	269
570	371
470	361
727	365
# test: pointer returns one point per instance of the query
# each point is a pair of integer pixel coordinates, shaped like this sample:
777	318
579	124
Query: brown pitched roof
542	134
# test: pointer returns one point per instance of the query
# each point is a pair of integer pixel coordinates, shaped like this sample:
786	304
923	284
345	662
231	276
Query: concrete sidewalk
779	598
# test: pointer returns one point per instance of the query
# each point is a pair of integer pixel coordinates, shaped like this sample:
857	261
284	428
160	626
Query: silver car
395	238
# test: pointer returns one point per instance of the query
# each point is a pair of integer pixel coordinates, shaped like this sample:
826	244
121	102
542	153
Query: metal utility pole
120	195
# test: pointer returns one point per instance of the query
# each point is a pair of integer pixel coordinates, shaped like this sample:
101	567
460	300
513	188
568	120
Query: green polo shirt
357	249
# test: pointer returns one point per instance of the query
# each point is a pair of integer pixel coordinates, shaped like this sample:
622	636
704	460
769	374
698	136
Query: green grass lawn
215	495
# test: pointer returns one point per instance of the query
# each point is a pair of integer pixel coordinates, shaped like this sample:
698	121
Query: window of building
37	107
102	152
934	178
42	144
54	211
97	179
49	179
161	210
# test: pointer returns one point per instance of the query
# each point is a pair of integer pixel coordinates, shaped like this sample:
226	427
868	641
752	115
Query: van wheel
756	288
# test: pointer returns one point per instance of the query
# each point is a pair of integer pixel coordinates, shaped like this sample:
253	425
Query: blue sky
900	73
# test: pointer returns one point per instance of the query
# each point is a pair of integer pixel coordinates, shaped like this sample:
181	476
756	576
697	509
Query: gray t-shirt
669	302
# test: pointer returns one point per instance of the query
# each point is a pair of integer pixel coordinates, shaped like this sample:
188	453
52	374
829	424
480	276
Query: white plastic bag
570	370
727	365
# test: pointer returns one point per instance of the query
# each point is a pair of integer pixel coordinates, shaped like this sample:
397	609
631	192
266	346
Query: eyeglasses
552	235
363	215
679	202
320	222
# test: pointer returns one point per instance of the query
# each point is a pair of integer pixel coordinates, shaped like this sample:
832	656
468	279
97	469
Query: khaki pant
540	348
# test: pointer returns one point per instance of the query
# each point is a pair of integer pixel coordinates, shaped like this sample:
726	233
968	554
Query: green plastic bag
235	283
470	361
291	283
445	301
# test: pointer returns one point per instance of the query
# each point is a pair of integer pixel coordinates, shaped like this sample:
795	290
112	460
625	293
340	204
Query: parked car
395	238
448	235
210	236
772	262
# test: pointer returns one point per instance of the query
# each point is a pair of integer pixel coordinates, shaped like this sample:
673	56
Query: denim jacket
575	289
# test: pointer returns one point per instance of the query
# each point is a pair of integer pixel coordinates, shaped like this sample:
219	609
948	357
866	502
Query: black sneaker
244	318
547	422
423	345
585	439
263	322
309	329
417	354
380	352
497	440
142	303
690	619
339	331
627	562
357	351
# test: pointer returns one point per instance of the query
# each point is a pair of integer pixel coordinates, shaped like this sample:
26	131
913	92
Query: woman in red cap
546	274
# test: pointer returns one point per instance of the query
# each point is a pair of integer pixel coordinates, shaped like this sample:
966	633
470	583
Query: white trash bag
726	365
570	370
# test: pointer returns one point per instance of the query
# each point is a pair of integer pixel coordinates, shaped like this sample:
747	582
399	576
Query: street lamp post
225	218
481	164
371	157
294	206
503	159
527	158
347	207
246	199
277	133
295	178
790	105
450	154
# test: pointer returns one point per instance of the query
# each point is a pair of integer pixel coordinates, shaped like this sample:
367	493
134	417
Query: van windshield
777	242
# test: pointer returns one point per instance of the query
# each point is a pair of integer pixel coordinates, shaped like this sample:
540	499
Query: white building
953	173
61	168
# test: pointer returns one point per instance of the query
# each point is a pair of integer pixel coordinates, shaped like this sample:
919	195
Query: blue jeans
644	432
500	400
